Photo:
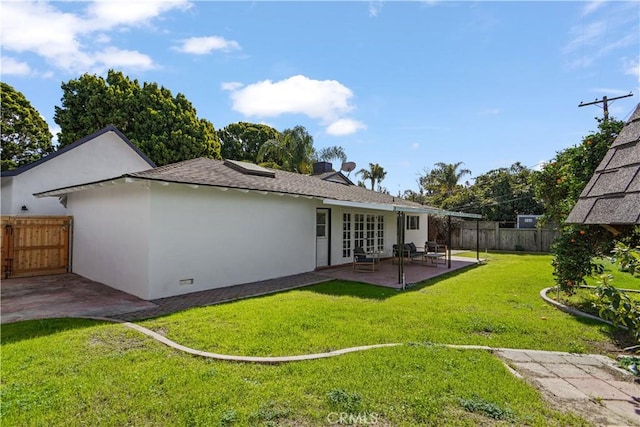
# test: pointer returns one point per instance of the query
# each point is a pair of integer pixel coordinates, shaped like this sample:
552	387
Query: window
346	235
362	230
371	232
321	224
358	232
380	223
413	222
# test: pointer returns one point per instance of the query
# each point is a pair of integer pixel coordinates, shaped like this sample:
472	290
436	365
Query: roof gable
337	177
612	196
78	143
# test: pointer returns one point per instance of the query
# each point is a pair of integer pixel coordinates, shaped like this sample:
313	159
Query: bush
615	306
573	252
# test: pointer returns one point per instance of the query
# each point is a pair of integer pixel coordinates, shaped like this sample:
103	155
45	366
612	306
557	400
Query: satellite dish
348	167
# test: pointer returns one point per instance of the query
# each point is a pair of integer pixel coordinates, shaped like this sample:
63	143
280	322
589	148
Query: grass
79	372
496	305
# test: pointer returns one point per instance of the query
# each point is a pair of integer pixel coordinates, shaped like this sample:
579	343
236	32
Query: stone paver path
590	385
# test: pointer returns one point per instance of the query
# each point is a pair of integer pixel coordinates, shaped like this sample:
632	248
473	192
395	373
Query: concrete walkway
63	295
590	385
170	305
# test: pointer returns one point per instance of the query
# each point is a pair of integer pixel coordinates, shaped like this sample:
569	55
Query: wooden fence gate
35	245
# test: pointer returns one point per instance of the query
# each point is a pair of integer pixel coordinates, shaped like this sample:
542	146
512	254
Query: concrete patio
387	272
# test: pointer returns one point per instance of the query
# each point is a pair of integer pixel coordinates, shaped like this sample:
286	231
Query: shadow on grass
376	292
28	329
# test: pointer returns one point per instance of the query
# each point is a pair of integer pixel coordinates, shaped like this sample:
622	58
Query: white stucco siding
419	236
6	195
111	236
104	157
223	238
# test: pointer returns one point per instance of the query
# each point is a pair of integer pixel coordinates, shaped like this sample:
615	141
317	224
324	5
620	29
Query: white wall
111	236
6	194
223	238
419	237
106	156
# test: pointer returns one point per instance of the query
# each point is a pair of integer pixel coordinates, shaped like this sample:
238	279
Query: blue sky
402	84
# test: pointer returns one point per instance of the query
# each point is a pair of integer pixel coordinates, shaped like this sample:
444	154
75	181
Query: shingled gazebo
612	196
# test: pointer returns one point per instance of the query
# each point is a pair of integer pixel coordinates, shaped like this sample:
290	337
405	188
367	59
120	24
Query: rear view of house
203	224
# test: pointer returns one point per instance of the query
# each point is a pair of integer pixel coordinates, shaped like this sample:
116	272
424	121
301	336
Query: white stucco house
104	154
203	224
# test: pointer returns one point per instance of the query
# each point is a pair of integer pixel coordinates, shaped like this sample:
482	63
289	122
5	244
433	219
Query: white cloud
632	67
415	146
325	100
112	57
64	39
231	86
106	14
343	127
592	6
375	6
321	99
205	45
602	34
9	66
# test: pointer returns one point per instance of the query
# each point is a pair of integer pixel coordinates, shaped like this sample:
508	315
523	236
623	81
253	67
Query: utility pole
605	103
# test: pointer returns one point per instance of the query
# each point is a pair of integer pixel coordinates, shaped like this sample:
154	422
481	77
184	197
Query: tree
502	194
25	134
442	182
164	127
332	153
558	186
375	174
242	140
292	150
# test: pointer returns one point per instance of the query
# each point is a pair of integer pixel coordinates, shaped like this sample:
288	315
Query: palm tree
292	150
332	153
375	174
444	178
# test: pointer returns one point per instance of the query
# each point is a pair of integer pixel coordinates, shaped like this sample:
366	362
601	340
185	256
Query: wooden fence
492	237
35	245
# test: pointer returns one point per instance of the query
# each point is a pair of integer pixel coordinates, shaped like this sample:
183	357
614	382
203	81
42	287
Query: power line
605	103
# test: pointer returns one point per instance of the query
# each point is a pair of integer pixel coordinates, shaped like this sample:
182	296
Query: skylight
249	168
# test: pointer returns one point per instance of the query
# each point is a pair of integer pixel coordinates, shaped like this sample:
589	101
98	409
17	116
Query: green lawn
80	372
496	305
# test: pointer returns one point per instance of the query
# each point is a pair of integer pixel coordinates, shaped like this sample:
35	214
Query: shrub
615	306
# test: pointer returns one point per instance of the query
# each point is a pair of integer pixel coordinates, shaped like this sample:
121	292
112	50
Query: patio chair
435	251
414	252
362	261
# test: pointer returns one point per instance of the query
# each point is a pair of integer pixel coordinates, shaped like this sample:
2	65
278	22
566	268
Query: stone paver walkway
215	296
590	385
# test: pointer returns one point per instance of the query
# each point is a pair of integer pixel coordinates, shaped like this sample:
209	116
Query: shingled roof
612	196
217	173
249	177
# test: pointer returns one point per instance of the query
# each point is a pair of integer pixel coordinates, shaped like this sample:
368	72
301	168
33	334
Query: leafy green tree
502	194
558	186
292	150
164	127
375	174
444	178
332	153
242	140
25	134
